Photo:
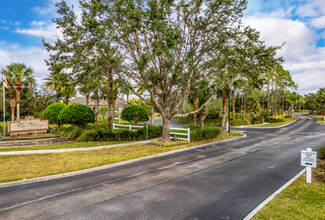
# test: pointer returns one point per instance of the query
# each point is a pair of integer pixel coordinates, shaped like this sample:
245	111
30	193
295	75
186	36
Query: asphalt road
219	181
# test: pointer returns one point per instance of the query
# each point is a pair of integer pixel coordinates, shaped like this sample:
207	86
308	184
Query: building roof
82	100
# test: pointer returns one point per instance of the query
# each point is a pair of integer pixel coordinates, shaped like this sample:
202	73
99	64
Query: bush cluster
77	114
279	118
135	113
207	133
52	112
258	120
99	133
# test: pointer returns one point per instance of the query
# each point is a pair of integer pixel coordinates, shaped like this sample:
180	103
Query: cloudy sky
298	23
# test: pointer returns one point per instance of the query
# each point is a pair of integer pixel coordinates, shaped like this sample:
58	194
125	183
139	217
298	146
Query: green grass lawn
18	167
276	124
300	200
319	117
62	146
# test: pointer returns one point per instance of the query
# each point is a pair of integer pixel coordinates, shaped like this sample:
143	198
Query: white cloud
307	10
303	58
48	32
33	57
318	22
37	23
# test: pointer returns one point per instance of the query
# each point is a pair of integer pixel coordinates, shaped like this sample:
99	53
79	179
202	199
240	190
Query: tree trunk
195	102
224	110
263	103
152	116
268	99
234	106
275	102
109	100
226	90
87	99
96	107
202	117
18	111
13	108
244	106
166	130
18	104
113	108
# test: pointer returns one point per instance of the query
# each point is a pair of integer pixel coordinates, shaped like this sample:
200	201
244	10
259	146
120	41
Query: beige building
119	104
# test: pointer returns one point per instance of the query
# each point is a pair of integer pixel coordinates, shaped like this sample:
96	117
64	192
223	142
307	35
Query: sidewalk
73	149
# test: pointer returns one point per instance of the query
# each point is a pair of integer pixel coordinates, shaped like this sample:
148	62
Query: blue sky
299	23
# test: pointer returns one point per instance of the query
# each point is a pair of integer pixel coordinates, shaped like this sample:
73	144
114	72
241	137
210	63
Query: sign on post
309	160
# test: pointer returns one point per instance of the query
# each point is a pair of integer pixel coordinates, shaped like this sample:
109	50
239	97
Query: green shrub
321	153
198	134
279	118
52	129
52	112
77	114
135	113
100	133
75	133
236	122
264	114
258	120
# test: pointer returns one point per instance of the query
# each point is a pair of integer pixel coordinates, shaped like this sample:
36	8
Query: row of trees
315	101
171	50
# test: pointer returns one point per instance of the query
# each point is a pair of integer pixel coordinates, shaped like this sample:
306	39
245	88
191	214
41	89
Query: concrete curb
74	173
266	201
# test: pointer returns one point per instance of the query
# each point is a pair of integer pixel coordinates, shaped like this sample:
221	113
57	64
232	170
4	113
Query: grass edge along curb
281	126
272	196
89	170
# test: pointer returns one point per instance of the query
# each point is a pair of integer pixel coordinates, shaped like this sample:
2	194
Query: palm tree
19	76
62	84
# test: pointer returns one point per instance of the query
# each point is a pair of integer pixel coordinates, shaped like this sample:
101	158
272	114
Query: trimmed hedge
77	114
52	112
135	113
98	133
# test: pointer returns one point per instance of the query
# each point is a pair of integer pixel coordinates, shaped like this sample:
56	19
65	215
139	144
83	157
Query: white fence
187	134
129	127
116	126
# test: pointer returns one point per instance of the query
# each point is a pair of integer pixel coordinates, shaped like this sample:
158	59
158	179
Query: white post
308	174
113	126
130	127
4	109
188	135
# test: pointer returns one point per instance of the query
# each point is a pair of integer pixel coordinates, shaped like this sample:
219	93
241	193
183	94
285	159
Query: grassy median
17	167
300	200
320	118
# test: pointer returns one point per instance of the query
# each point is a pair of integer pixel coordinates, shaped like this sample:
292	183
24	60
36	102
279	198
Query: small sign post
309	160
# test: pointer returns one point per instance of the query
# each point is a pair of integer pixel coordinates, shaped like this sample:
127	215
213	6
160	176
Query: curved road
219	181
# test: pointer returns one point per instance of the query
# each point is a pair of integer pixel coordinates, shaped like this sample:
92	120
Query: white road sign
308	158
